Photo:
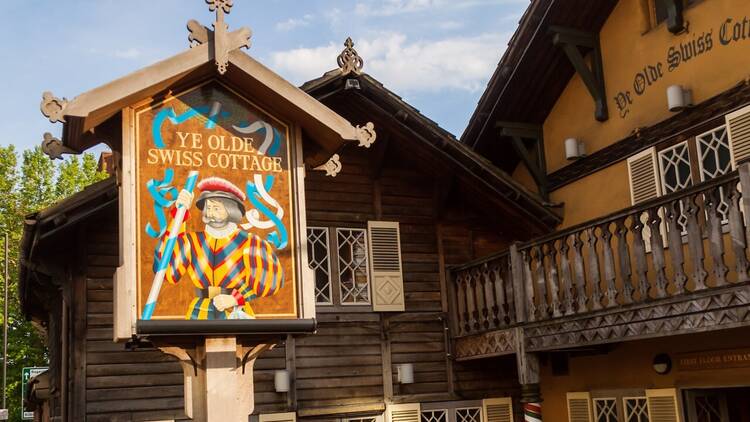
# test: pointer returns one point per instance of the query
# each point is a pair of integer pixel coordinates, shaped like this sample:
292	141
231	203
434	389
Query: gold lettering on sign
714	359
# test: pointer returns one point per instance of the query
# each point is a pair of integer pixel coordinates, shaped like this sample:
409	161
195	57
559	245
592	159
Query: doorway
718	405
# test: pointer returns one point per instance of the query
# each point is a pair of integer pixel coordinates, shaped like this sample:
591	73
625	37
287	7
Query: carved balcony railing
677	246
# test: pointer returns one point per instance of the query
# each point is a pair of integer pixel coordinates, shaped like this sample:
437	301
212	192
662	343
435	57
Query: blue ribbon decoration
280	237
169	113
159	191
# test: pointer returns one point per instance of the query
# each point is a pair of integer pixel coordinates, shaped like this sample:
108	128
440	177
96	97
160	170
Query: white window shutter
663	405
579	407
385	266
498	409
738	131
643	177
277	417
406	412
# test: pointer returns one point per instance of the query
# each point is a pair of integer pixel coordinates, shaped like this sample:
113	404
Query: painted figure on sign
229	267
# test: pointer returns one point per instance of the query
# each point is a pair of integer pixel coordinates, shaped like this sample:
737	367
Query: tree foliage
31	185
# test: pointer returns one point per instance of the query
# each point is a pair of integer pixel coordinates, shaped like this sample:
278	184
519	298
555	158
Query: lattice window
605	410
469	414
708	408
318	246
365	419
439	415
715	160
636	409
674	164
354	276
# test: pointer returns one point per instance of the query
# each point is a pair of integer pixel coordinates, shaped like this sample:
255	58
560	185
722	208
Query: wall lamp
405	373
574	149
281	381
679	98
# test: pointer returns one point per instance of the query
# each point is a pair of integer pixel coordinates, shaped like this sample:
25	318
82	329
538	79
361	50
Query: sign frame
126	312
28	416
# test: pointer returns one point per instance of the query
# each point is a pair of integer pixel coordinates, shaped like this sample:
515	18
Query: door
707	406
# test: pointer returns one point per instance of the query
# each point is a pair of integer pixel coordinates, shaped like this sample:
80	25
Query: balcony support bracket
533	159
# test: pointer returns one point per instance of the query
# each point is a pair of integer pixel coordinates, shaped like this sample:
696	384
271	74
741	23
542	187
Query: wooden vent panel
407	412
738	130
662	405
644	179
579	407
277	417
498	410
385	266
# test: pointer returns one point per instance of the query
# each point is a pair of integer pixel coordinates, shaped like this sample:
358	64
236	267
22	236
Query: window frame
329	271
366	267
458	408
625	414
596	410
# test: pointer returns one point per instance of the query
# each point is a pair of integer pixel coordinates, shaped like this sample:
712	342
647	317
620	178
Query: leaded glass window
469	414
317	257
636	409
440	415
605	410
354	277
674	164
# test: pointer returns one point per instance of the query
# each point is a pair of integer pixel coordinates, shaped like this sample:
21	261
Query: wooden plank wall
120	385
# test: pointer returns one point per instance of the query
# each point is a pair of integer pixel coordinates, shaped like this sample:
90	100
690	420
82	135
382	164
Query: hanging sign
215	203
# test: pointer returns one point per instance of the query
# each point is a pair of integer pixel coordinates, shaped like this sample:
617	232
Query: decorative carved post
609	265
519	292
674	236
695	243
623	253
737	231
639	252
528	377
554	283
713	200
596	294
579	272
567	284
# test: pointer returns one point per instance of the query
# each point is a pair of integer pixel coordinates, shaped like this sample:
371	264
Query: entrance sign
27	374
215	201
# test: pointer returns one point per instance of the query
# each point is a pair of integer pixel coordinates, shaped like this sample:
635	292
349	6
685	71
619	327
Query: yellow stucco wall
629	366
626	51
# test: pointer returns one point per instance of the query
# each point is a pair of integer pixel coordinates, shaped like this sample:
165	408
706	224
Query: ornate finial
366	135
54	148
224	41
349	61
53	108
332	167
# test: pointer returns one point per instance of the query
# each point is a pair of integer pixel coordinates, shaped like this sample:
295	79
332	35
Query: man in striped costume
228	266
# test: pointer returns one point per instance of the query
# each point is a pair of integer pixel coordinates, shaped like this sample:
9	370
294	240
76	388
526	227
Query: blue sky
437	54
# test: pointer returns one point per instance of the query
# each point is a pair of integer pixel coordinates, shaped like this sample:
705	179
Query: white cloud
130	53
293	23
462	63
395	7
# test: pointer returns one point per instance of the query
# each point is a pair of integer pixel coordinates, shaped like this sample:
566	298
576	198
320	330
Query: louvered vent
408	412
385	266
498	410
662	405
738	129
385	249
277	417
644	183
579	407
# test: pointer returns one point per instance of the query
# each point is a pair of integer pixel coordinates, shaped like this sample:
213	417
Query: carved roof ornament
54	148
224	41
53	107
349	60
332	167
366	135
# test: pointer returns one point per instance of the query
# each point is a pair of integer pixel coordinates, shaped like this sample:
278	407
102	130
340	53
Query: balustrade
685	242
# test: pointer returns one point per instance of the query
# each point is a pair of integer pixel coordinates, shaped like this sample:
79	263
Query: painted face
215	214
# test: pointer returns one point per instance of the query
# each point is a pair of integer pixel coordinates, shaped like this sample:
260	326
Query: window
636	409
714	160
674	165
341	269
469	414
438	415
658	12
605	410
317	257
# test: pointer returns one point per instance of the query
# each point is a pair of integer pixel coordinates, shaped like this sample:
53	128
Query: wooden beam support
675	18
536	165
571	41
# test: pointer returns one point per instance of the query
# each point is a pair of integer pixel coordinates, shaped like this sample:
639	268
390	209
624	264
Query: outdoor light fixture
405	373
679	98
662	364
281	381
574	149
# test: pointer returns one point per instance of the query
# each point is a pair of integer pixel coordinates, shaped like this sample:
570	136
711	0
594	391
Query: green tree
35	184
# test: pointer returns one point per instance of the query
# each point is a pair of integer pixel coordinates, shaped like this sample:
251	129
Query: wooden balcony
677	264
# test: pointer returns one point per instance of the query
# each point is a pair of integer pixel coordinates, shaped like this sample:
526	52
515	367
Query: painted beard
215	222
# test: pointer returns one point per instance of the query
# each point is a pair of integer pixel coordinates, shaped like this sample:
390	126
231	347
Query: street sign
27	374
4	414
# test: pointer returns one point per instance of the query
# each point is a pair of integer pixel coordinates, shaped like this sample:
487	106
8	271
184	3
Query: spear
148	309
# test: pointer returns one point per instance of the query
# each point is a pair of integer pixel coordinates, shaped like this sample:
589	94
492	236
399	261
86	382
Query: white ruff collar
223	232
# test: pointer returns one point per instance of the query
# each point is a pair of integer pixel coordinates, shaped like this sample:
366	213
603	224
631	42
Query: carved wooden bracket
366	135
675	19
349	60
533	160
571	41
54	148
53	107
223	41
332	167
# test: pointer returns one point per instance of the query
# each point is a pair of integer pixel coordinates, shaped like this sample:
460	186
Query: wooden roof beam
571	41
675	19
534	161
